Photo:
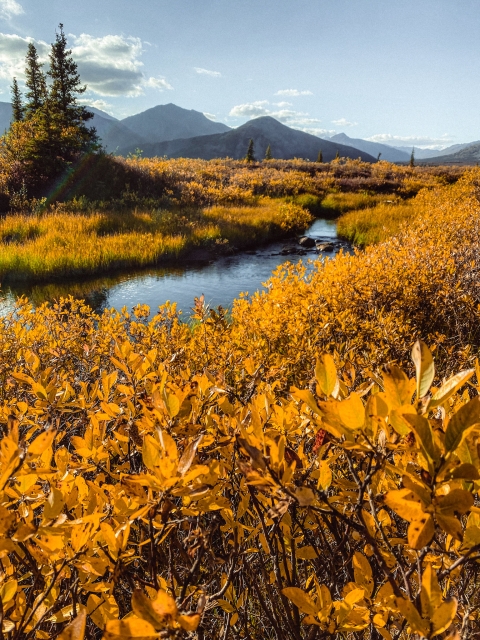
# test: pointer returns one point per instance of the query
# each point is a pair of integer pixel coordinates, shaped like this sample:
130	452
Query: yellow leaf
306	553
41	442
431	594
101	609
424	437
326	374
399	421
424	366
172	404
306	396
301	600
151	453
406	503
8	591
421	532
76	629
465	417
188	456
9	460
398	388
450	525
190	622
325	477
443	616
450	387
362	572
130	628
417	624
457	501
159	611
352	412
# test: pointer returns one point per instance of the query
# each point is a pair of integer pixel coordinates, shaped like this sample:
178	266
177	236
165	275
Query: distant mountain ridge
467	155
391	154
285	143
169	122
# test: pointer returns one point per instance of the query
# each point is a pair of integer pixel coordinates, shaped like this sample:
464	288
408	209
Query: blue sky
404	72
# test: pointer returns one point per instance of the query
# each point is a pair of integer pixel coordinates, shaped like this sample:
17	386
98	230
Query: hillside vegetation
266	477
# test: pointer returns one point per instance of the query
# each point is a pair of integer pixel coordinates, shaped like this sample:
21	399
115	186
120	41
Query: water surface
221	281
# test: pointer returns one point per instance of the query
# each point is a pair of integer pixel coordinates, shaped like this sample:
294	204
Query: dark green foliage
250	157
17	104
412	157
35	82
320	156
379	156
337	155
44	147
268	153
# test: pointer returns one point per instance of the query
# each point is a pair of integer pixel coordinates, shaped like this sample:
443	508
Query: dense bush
259	478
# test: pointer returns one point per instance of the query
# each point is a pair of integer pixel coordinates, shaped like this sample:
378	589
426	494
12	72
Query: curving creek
220	280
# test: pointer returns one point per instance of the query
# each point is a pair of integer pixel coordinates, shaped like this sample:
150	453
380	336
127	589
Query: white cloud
207	72
294	119
412	141
103	105
210	116
250	110
158	83
293	93
343	122
9	9
109	66
13	50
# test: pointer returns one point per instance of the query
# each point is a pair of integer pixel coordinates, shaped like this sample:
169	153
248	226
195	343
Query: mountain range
284	142
169	130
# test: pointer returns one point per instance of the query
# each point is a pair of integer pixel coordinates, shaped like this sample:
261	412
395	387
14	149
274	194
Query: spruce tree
320	156
337	155
66	85
268	153
412	157
35	82
17	103
250	157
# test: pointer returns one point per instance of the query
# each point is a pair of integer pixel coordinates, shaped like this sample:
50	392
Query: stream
221	280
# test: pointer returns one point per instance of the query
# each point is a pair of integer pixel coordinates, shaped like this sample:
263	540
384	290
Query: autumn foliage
262	477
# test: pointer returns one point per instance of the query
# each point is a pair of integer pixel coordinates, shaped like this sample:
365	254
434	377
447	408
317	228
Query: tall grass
375	224
62	244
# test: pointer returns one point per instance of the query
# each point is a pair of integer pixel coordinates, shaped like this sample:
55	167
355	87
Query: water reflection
221	281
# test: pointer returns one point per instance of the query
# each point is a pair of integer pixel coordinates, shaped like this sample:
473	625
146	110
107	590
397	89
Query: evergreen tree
250	157
379	156
35	82
337	155
66	86
17	104
320	156
268	153
412	157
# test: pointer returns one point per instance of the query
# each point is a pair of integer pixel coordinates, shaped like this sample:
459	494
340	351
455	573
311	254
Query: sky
401	72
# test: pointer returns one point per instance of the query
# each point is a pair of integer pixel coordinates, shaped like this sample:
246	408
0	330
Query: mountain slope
468	155
422	154
169	122
112	133
373	148
285	143
5	116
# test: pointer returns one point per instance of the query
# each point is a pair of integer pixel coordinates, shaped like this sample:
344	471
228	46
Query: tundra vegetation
265	477
306	469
